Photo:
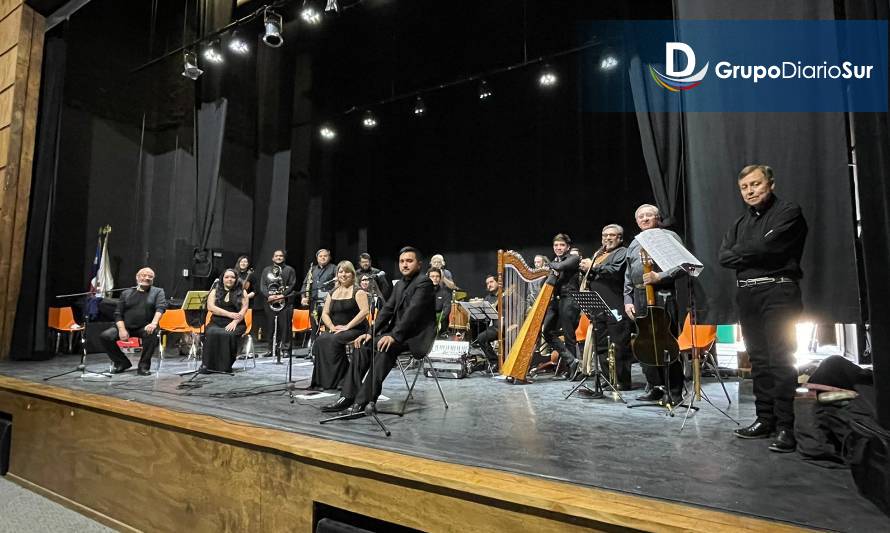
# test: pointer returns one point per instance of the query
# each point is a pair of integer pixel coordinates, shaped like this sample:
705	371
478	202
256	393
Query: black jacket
155	301
566	278
409	315
443	305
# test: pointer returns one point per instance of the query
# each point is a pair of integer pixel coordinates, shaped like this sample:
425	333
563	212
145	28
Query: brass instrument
613	368
276	287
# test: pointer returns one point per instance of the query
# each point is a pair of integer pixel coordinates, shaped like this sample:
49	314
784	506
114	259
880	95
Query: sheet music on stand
480	310
590	302
668	253
194	300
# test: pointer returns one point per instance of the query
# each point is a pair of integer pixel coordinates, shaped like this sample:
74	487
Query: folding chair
246	351
423	362
705	339
61	320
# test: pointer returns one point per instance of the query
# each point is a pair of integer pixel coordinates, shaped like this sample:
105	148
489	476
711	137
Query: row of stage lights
273	25
547	79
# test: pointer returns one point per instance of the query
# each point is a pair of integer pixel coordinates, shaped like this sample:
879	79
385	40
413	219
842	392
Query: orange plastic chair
581	330
300	323
61	320
705	336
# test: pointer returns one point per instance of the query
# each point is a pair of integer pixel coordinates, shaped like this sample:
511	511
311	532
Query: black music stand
592	304
481	310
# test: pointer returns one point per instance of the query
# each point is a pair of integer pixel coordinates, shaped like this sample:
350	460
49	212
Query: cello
654	344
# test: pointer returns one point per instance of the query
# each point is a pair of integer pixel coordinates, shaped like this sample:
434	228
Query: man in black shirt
563	313
490	334
318	283
764	247
278	273
604	273
137	314
443	300
375	275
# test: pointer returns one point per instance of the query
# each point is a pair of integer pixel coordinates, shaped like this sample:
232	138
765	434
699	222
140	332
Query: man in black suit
137	314
407	322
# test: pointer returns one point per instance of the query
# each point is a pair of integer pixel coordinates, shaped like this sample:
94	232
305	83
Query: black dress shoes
143	372
117	369
757	430
340	405
625	386
652	396
784	443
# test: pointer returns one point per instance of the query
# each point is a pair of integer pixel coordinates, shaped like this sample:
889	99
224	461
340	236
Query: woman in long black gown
345	318
228	304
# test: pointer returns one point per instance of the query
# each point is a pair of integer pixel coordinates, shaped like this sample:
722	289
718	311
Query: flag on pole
105	281
101	280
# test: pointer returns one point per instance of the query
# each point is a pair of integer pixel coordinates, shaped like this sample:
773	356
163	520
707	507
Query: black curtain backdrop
808	152
661	134
872	149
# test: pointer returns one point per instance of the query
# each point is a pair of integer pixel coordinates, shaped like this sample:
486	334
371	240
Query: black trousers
563	315
484	341
768	314
315	309
358	383
608	329
285	323
655	376
109	339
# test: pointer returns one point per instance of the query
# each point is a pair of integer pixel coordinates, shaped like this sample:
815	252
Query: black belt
753	282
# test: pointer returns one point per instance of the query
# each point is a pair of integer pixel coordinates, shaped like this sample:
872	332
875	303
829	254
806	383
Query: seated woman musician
228	304
345	318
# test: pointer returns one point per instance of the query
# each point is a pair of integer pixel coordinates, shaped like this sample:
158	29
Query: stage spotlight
212	53
273	23
327	132
369	121
309	14
548	77
333	5
238	44
484	91
419	107
190	66
608	62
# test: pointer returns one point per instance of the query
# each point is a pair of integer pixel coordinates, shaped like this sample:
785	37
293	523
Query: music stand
592	304
195	301
480	310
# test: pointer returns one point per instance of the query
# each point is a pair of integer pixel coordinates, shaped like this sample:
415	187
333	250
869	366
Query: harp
520	324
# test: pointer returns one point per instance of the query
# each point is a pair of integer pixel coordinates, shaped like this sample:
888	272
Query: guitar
654	344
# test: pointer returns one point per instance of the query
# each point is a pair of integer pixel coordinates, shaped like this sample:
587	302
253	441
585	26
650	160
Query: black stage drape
661	133
808	152
871	134
30	326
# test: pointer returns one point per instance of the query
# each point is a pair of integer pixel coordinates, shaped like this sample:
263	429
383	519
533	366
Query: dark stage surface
528	430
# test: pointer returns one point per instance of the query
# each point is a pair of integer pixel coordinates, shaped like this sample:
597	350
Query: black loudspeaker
5	442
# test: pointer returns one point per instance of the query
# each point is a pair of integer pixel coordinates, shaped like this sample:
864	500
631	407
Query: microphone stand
370	409
82	367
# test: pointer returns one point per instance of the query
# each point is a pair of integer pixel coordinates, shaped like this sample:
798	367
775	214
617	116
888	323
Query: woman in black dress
228	304
345	318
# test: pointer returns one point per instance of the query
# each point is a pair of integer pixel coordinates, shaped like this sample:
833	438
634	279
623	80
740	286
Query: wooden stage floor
576	451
